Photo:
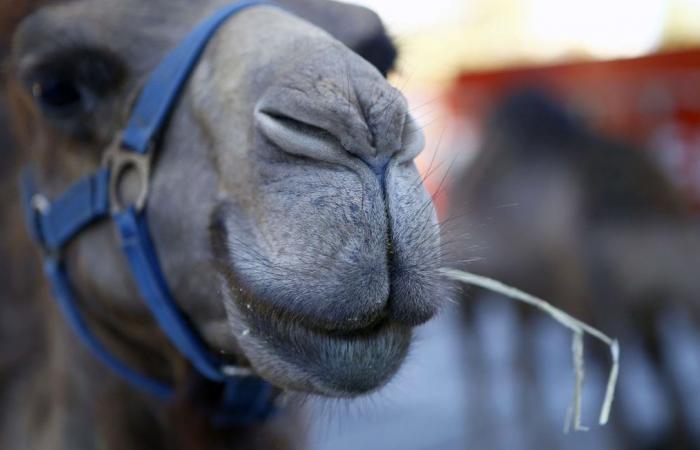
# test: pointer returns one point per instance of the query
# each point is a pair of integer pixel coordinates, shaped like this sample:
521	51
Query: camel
283	204
592	226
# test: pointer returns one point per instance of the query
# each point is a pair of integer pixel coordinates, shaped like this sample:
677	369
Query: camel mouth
333	363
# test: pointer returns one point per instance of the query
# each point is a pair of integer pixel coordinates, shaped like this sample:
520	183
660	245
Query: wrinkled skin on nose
326	240
351	129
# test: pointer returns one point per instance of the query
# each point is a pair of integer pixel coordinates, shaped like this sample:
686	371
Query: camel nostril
300	138
295	136
325	126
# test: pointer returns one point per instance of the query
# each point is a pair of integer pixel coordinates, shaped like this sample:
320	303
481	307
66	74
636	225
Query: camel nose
336	117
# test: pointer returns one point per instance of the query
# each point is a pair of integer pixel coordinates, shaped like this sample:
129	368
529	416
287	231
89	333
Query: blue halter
245	398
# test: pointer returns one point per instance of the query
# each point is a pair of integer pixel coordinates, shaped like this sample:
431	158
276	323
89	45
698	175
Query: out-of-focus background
629	66
563	150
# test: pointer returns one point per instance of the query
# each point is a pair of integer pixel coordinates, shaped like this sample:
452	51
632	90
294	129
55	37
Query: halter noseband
246	398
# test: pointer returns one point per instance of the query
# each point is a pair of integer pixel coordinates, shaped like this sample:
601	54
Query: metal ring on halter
40	203
120	161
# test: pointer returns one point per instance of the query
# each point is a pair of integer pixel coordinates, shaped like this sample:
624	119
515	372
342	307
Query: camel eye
58	97
69	84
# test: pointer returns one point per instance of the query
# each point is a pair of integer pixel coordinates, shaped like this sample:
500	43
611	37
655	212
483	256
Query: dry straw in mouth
576	326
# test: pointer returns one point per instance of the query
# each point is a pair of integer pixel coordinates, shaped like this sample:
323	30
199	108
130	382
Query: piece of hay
575	325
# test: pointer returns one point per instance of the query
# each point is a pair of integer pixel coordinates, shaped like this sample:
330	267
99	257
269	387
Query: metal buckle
120	161
40	204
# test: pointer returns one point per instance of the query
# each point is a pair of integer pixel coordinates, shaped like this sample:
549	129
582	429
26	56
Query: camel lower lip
332	363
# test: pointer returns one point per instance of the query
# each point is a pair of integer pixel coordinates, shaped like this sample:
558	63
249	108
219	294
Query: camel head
287	213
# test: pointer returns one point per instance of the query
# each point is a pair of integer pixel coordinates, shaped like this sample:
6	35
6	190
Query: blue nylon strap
65	297
84	202
244	399
145	268
167	81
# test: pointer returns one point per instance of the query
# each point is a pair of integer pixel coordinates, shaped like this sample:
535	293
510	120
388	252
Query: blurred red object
651	101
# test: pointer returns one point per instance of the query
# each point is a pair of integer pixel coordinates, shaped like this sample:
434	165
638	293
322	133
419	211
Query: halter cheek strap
245	398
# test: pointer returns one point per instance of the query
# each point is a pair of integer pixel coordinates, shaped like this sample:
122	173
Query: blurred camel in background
590	225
